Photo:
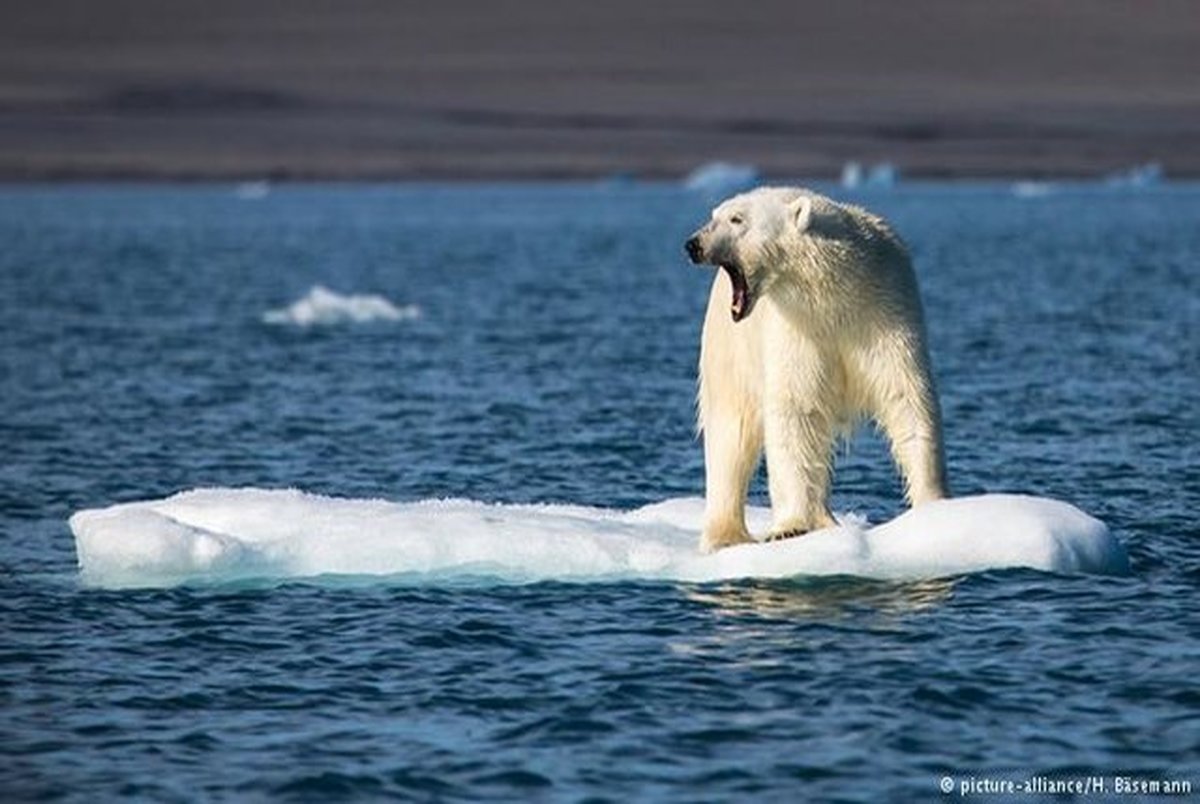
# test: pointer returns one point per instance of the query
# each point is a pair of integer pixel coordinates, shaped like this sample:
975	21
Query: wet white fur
835	335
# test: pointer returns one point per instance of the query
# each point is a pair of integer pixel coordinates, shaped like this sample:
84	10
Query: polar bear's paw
790	533
715	538
792	527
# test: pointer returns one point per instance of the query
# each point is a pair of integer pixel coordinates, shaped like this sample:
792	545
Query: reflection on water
785	625
822	599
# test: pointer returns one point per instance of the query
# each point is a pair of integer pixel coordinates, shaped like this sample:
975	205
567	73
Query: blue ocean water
553	360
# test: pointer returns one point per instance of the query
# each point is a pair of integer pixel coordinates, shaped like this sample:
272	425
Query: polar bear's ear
801	212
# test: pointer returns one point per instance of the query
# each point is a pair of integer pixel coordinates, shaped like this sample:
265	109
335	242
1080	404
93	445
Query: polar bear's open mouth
739	307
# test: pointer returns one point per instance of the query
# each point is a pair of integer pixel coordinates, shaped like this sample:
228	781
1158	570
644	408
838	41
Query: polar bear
814	322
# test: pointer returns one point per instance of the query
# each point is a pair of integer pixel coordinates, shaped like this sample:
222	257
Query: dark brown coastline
370	89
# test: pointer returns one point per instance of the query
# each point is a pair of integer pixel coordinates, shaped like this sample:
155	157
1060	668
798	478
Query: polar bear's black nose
692	247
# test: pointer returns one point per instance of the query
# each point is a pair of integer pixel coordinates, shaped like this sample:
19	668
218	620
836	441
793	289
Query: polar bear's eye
737	220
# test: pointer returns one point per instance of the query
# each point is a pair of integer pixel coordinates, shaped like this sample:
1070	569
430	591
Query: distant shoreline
1099	173
320	145
466	180
543	90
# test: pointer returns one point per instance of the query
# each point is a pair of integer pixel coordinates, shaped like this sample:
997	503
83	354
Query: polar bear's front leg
732	446
799	433
730	402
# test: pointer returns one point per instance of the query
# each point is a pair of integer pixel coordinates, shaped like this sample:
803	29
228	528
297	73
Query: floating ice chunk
721	178
852	175
252	190
1032	189
881	175
1136	177
222	535
323	306
884	174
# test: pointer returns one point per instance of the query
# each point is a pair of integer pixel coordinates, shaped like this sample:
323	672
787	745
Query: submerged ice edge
220	535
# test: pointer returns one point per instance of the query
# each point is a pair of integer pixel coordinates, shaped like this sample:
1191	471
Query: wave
322	306
224	535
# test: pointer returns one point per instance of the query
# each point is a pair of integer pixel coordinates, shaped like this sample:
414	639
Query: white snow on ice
222	535
323	306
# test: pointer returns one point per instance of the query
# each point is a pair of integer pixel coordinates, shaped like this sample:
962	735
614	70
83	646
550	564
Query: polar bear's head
750	237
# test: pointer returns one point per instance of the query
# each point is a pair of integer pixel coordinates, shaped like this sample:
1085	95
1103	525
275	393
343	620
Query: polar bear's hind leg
905	405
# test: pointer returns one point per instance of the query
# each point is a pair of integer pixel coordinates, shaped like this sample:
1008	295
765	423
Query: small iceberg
252	190
226	535
852	175
882	175
885	174
721	178
322	306
1137	177
1032	189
